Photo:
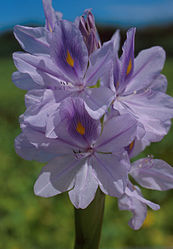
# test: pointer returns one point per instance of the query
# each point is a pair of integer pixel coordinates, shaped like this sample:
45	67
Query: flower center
79	154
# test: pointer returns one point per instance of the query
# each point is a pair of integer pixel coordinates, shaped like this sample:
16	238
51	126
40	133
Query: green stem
88	223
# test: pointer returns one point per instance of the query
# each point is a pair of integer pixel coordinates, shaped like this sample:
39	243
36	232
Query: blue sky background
114	12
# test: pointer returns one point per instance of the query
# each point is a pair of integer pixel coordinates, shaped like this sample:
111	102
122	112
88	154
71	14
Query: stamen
64	85
69	59
80	129
129	68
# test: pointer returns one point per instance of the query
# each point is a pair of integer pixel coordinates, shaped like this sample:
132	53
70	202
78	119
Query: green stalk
88	223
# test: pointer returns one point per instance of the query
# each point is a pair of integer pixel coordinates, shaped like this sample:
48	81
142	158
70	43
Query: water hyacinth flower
83	156
140	90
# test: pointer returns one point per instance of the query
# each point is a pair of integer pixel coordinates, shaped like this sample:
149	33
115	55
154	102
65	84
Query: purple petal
40	69
38	97
99	63
139	146
25	64
138	209
40	104
112	113
116	40
116	73
153	174
133	201
85	187
43	98
111	173
108	79
159	84
32	40
150	104
98	100
127	59
155	131
139	143
152	109
33	145
117	133
50	15
37	138
134	191
147	66
57	176
69	51
116	62
29	151
54	121
24	81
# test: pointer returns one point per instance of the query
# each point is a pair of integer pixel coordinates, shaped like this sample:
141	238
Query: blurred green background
30	222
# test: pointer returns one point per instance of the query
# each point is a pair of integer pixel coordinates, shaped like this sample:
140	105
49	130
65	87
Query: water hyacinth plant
88	112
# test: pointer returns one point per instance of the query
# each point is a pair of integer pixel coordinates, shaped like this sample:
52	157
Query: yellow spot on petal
80	129
131	145
69	59
129	68
50	29
117	85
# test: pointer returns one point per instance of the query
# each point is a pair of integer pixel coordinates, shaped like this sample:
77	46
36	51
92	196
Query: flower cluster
89	111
